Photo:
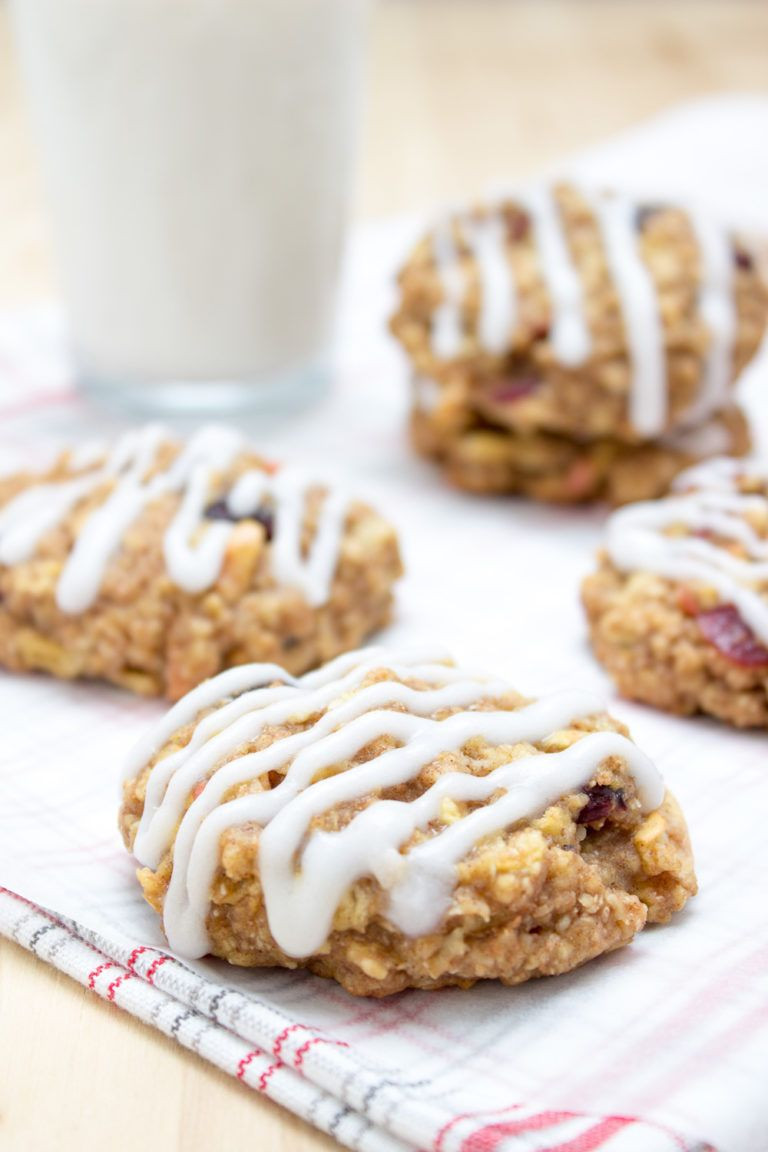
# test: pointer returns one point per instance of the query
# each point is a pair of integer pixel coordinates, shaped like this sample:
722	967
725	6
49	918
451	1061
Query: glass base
273	397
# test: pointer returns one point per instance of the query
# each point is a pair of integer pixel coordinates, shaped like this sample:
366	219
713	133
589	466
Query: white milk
198	157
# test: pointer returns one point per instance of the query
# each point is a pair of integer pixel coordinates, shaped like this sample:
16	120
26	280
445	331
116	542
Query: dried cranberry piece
509	389
266	518
724	627
743	259
220	510
601	803
518	223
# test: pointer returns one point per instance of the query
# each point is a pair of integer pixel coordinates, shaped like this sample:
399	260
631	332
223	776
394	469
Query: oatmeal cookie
155	564
480	458
678	608
391	821
582	313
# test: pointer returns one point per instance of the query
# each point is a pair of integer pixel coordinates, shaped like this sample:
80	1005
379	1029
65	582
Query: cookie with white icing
481	458
156	563
678	608
582	313
394	821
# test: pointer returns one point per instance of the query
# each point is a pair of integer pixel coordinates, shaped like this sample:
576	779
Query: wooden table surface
460	94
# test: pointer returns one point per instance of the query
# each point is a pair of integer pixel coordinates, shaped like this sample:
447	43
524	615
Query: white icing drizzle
287	492
87	455
498	301
245	678
616	217
498	309
570	334
718	311
304	875
172	782
721	474
447	328
100	536
571	341
637	537
420	883
712	438
195	565
26	518
194	547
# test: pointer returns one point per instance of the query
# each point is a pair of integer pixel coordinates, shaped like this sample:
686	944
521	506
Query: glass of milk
198	159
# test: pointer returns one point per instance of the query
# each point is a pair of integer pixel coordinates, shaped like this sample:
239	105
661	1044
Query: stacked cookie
576	345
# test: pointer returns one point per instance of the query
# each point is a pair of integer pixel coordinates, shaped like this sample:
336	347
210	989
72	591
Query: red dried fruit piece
220	511
581	479
724	627
509	389
518	223
743	259
602	801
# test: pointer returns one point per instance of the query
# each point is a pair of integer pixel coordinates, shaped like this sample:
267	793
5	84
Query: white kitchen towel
662	1045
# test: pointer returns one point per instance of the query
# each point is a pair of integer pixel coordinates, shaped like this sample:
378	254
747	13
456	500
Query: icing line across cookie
305	872
615	215
707	500
194	547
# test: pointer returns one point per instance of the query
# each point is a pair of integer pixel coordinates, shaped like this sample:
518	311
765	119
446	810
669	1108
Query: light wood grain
466	93
77	1073
461	94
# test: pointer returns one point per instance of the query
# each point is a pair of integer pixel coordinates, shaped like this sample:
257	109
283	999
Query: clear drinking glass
198	158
